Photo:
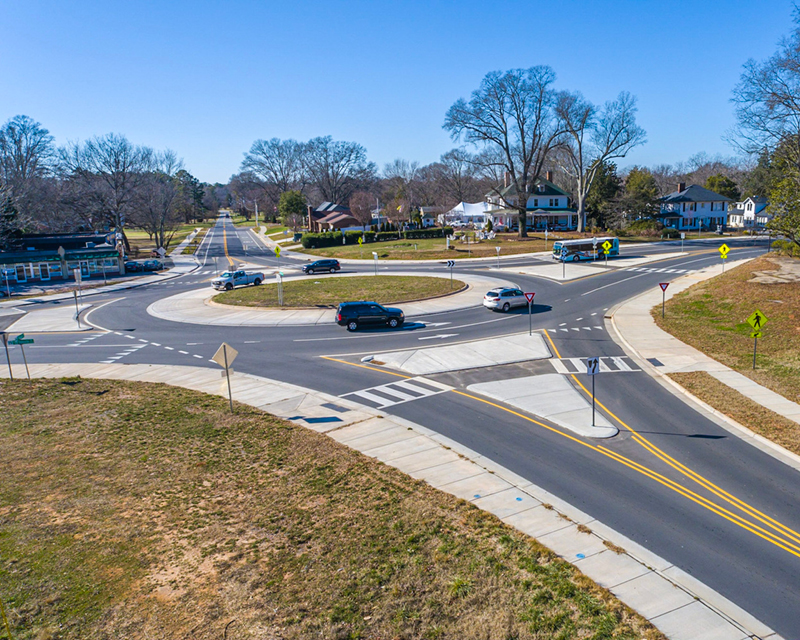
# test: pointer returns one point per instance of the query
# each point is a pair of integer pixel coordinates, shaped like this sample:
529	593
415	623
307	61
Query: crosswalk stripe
390	391
560	368
623	366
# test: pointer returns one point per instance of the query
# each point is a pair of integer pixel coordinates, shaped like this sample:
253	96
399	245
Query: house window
536	202
692	206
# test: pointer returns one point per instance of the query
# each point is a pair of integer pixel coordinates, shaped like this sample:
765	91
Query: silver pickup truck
230	279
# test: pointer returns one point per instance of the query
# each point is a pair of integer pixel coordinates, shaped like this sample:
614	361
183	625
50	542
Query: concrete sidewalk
659	353
680	606
194	306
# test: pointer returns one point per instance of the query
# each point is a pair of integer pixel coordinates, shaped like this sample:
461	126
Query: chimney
681	186
548	176
507	179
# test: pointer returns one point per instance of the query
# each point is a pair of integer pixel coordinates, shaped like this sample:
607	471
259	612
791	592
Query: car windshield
226	274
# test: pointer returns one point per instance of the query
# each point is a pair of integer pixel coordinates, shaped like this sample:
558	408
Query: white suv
504	298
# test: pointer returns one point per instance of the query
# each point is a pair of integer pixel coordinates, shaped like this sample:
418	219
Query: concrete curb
729	424
672	600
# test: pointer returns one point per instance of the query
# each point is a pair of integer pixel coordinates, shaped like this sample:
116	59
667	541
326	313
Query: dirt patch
788	270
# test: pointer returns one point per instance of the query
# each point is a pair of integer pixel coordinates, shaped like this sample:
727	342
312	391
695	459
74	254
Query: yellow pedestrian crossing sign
278	250
360	240
723	251
757	320
606	247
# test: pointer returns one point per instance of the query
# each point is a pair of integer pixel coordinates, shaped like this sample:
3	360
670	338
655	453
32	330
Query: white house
751	213
548	207
694	207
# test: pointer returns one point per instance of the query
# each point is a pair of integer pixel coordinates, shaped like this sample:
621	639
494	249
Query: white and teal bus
575	250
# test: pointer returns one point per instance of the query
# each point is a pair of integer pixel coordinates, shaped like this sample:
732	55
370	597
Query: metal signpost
663	286
498	256
683	235
545	239
375	258
8	288
594	248
450	265
529	298
224	357
8	358
77	310
592	369
756	320
723	252
78	278
607	249
19	341
279	278
563	263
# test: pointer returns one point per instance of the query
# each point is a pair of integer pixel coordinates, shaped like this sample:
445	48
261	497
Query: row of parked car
132	266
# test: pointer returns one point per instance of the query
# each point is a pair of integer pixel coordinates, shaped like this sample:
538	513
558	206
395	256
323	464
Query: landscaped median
711	316
140	511
329	291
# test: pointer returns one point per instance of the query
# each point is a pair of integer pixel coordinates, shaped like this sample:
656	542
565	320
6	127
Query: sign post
77	274
563	263
756	320
19	341
529	298
224	357
683	235
498	256
663	286
723	252
361	246
279	278
594	248
545	239
8	359
592	369
607	249
77	310
375	258
450	265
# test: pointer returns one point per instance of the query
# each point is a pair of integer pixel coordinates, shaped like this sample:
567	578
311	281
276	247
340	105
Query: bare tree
401	181
26	158
337	169
155	202
512	113
361	205
107	171
278	164
594	136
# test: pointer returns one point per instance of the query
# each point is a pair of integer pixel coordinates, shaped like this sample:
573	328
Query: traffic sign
757	320
529	296
607	246
663	285
277	251
683	235
451	263
723	250
756	334
592	366
360	240
225	355
21	339
594	242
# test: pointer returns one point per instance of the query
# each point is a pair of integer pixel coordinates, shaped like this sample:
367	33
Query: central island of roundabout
310	300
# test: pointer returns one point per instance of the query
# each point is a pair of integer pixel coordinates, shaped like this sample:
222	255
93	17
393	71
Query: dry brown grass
746	412
131	510
711	316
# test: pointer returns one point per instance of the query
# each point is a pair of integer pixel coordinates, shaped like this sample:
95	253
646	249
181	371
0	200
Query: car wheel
352	325
333	270
310	272
575	258
257	282
228	286
506	307
394	323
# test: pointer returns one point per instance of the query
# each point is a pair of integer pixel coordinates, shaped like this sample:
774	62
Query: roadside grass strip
327	291
711	316
140	510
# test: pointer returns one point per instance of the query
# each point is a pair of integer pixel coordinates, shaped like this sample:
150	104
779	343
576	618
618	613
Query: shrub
416	234
382	236
489	225
671	233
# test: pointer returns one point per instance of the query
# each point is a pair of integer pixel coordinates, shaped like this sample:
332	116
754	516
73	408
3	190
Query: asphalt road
672	480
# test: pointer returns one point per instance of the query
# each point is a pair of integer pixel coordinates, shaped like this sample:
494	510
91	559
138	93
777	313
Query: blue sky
208	78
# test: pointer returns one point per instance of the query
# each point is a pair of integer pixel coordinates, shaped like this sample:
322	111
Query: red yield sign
663	285
529	296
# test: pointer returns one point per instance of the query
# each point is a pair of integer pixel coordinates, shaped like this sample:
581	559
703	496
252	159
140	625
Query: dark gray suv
321	266
358	314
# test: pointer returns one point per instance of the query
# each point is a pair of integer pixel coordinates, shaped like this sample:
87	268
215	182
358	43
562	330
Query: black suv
322	265
356	314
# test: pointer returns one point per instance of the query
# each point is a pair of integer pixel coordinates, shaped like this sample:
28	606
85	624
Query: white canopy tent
467	212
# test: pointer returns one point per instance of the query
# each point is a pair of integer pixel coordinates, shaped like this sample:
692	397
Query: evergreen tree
10	232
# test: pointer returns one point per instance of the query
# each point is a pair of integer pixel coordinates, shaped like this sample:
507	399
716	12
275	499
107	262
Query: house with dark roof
330	216
548	207
750	213
693	207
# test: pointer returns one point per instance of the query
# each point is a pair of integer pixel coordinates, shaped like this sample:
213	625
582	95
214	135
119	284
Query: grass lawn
133	510
327	291
750	414
142	245
711	316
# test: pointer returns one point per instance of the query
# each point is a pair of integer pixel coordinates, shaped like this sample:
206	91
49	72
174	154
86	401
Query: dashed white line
194	355
186	353
169	349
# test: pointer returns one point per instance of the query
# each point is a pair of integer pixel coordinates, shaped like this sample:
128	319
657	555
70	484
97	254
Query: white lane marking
388	389
186	353
155	344
141	340
559	367
169	349
440	336
621	364
194	355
